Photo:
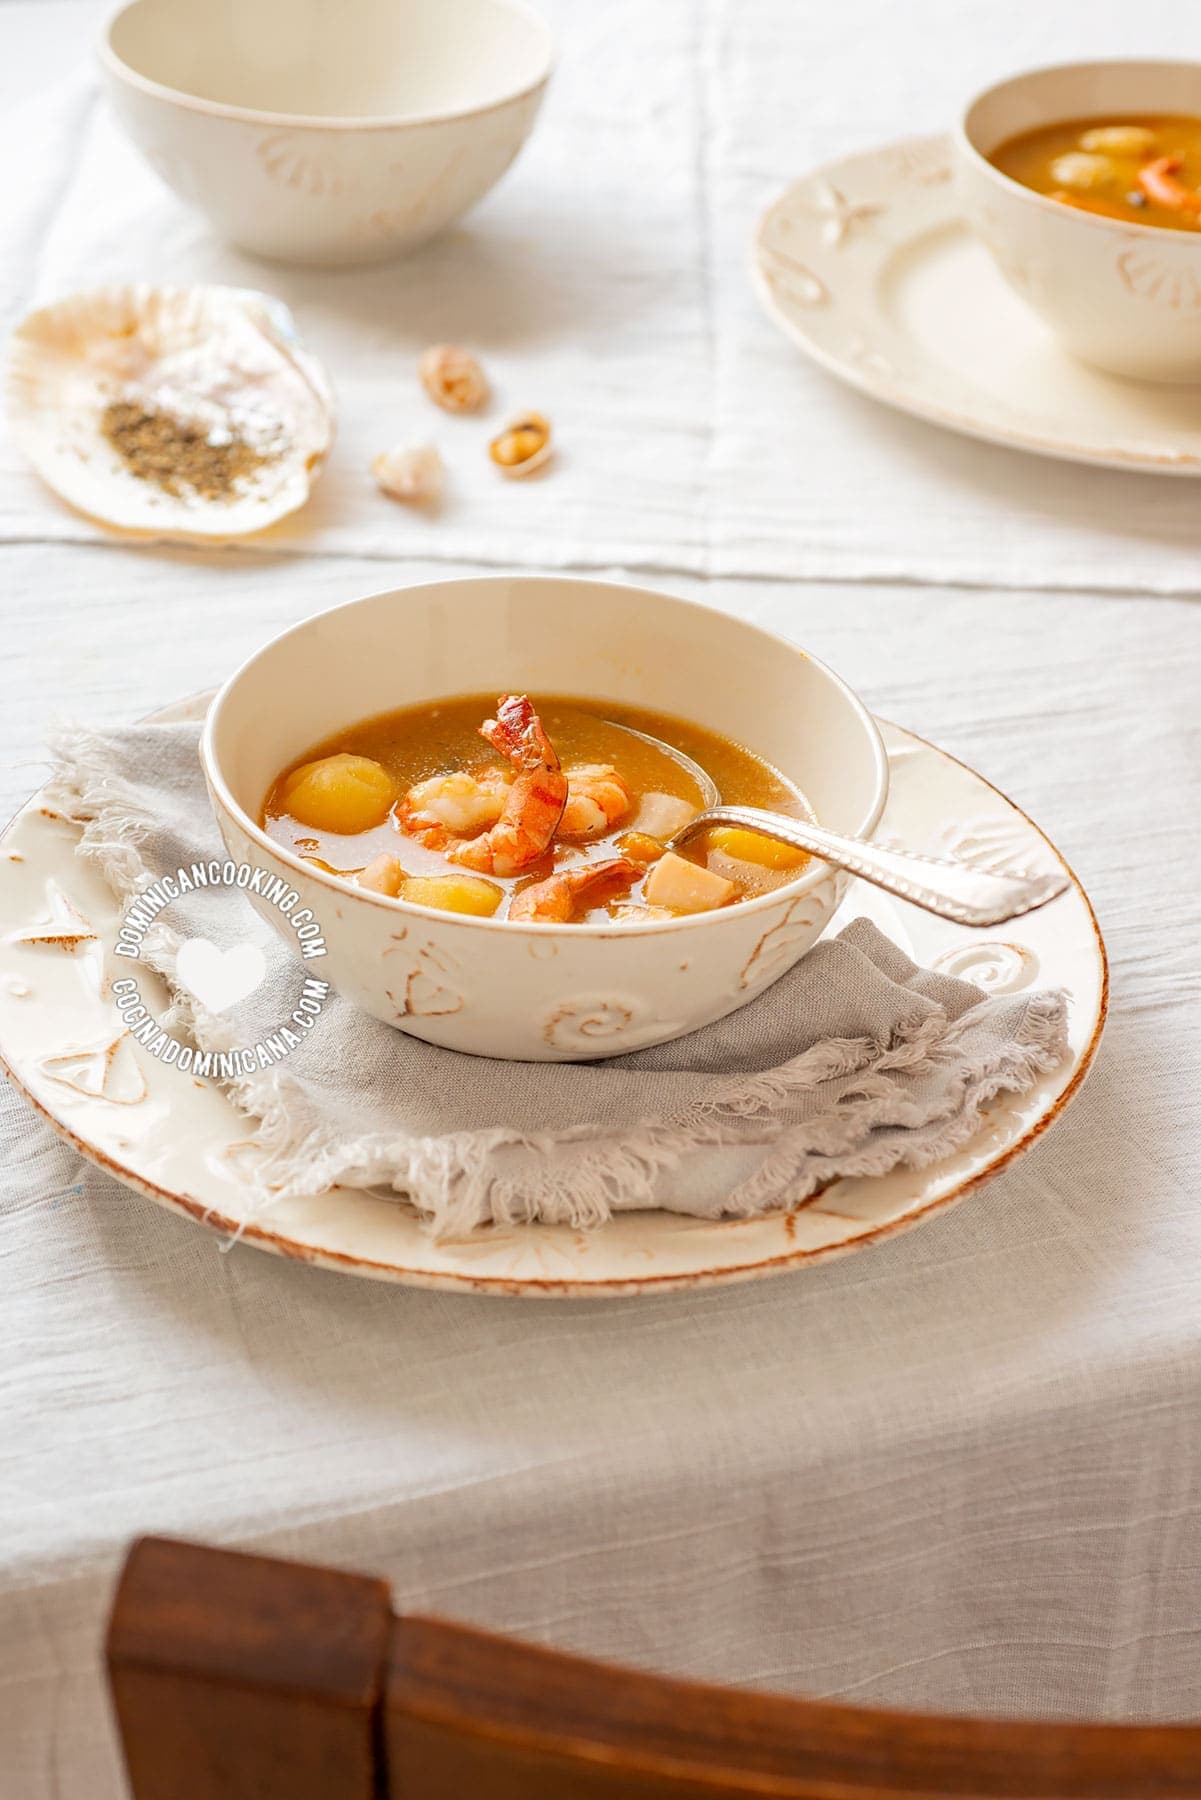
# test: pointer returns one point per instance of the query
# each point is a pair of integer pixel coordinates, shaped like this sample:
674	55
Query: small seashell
411	472
1077	169
453	378
179	412
523	446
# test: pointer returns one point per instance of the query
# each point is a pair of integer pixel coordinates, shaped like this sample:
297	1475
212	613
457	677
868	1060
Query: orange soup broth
1030	157
436	739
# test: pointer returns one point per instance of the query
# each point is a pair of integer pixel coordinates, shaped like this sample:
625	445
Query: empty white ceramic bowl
1125	297
328	131
543	992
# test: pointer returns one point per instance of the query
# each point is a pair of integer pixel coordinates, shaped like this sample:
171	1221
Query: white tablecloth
961	1470
606	284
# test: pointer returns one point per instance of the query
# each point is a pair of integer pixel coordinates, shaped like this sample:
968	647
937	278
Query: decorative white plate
868	266
179	1141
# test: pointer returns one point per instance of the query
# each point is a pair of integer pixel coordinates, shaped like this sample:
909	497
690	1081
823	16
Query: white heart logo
220	978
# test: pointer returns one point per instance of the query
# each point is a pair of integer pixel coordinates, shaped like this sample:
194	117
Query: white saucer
180	1141
868	266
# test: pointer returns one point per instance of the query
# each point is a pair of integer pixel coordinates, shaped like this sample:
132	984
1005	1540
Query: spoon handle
954	890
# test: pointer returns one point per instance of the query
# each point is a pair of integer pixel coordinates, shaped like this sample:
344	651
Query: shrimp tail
516	733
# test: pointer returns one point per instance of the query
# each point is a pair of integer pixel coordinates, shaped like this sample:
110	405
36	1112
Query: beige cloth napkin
854	1063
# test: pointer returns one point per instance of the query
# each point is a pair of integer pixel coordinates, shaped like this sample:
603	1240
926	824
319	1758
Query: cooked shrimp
596	798
460	803
555	900
531	806
1158	181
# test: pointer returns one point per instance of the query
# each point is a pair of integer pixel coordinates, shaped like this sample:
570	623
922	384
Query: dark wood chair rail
243	1678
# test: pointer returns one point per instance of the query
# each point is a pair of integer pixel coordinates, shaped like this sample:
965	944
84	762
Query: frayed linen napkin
854	1063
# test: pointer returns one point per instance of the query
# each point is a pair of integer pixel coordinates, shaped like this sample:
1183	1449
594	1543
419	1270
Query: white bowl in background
1124	297
543	992
328	133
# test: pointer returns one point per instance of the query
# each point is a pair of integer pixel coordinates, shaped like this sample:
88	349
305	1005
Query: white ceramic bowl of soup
328	131
533	991
1123	296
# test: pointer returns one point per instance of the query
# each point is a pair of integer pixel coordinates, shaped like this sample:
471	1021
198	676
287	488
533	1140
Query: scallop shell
224	358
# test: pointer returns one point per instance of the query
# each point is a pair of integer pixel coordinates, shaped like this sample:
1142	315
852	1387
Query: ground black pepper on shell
179	457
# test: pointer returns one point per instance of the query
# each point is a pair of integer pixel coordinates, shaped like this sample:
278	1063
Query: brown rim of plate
535	1288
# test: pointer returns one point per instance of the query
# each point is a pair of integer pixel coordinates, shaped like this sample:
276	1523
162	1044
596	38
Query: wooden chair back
244	1678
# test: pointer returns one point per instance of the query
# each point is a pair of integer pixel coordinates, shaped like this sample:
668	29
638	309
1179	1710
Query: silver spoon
953	890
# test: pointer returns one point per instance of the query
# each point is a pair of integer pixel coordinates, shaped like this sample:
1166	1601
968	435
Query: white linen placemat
578	283
606	283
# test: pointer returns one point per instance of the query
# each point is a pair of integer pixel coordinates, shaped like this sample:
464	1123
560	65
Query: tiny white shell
410	472
225	358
